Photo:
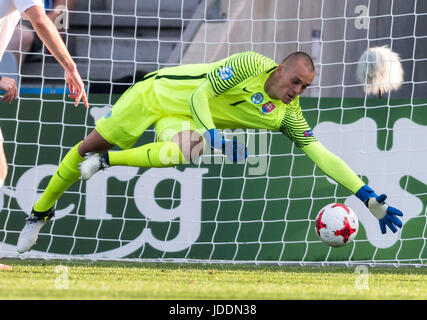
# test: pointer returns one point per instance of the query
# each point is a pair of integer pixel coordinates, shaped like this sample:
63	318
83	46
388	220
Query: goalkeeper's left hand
234	150
386	215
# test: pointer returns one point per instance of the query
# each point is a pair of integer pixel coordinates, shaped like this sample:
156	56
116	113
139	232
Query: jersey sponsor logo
308	133
257	98
226	73
268	107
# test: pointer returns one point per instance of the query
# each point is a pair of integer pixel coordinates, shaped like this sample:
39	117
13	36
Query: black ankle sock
106	158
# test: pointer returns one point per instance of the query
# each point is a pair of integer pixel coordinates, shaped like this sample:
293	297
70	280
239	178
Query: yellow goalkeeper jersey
228	94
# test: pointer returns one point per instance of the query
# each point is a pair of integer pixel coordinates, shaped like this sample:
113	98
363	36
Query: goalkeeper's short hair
299	55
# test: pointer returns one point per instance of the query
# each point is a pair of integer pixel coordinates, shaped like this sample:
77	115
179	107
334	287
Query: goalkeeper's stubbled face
289	82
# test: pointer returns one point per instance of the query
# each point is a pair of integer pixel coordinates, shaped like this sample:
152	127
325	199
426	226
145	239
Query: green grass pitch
58	280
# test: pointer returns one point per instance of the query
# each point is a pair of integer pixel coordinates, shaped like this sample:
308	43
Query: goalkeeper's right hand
234	150
386	215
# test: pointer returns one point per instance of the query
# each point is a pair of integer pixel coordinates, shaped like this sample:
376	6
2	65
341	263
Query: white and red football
336	225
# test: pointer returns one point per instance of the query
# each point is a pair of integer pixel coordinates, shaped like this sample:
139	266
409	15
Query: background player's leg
3	161
3	174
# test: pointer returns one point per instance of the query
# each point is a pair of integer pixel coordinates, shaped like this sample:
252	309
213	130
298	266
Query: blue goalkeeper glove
386	215
235	151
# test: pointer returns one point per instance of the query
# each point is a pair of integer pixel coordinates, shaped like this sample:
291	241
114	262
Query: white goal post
261	211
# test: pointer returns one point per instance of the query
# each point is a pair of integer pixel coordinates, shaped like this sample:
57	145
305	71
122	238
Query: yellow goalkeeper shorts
134	112
130	116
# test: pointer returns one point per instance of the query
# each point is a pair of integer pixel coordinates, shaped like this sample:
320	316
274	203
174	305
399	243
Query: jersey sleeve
23	5
224	75
333	166
295	126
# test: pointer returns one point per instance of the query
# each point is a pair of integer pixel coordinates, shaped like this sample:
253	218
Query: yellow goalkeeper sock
157	154
67	173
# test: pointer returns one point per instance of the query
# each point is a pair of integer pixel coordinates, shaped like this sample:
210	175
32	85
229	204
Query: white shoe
92	164
30	232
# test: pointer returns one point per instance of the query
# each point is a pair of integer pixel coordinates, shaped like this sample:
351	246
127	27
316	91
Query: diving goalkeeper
187	105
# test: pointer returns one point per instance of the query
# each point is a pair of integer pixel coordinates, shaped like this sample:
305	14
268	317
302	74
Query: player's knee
191	144
94	142
3	171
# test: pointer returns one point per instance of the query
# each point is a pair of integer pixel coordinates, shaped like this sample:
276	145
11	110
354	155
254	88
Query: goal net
260	211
